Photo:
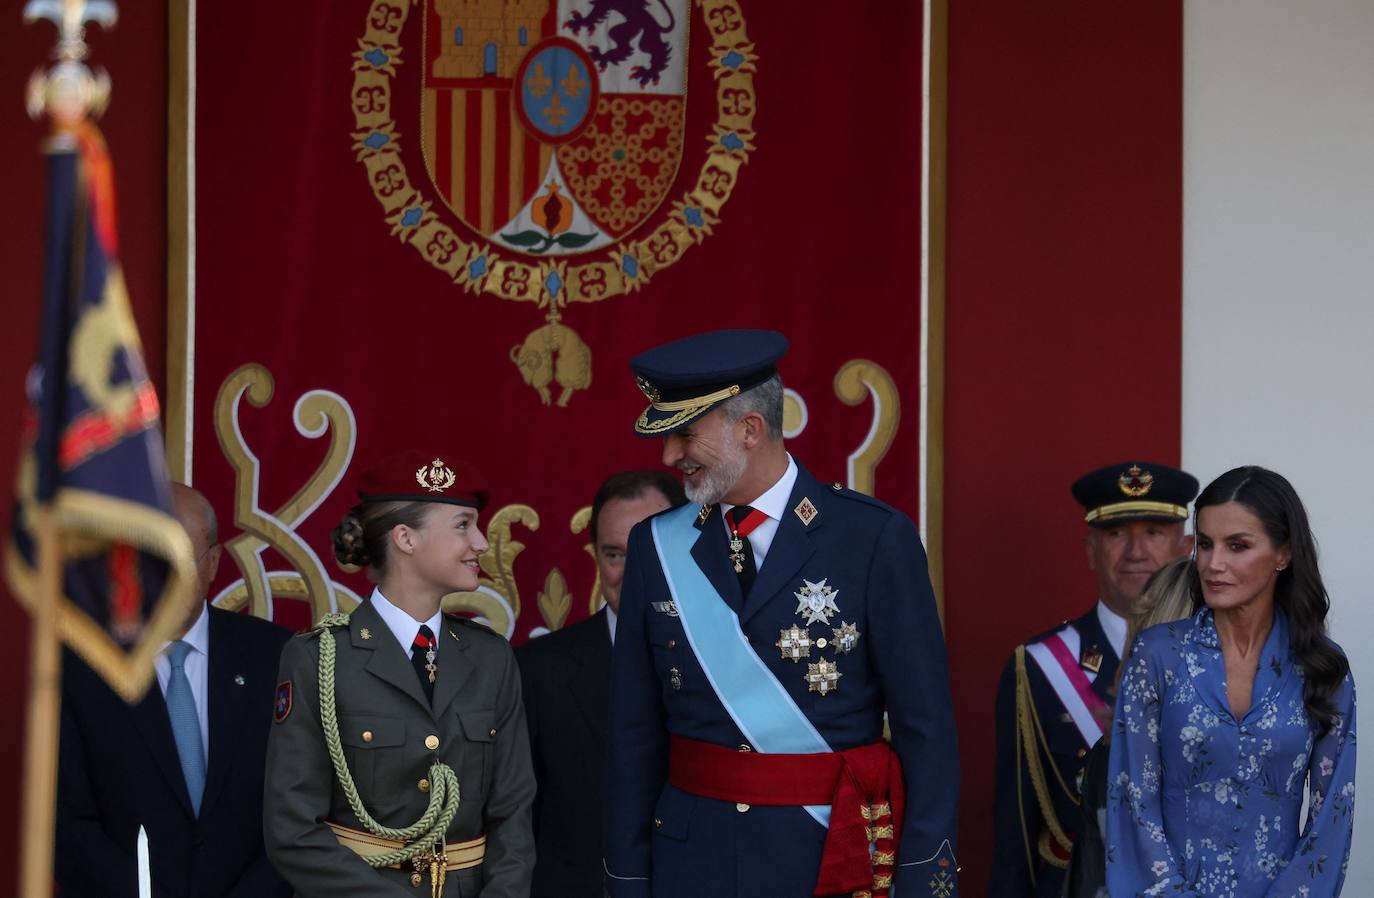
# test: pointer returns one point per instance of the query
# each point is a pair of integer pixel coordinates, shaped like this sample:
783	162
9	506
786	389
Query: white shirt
404	627
773	503
197	668
610	623
1114	625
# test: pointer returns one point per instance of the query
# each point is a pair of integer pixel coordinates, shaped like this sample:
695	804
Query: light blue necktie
181	709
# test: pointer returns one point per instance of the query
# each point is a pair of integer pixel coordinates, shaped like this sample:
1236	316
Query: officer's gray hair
765	399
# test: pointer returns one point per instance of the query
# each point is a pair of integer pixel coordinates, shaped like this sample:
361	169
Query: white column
1278	284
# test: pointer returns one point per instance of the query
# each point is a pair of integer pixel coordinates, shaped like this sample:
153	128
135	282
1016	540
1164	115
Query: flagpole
67	94
45	702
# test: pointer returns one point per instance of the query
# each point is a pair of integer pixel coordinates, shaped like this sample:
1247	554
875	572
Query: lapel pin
365	633
238	679
704	514
805	511
1092	659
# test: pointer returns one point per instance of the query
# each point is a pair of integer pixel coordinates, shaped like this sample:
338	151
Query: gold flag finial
69	92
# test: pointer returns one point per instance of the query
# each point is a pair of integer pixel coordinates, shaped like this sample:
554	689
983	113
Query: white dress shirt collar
198	636
400	623
610	622
772	503
1114	625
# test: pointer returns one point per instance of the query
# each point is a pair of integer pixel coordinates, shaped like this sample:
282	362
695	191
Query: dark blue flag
94	452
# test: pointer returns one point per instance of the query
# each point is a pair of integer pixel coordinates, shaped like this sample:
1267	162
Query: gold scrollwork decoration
555	601
316	412
856	380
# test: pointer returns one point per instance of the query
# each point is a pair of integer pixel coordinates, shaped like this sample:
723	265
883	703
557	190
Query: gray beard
718	479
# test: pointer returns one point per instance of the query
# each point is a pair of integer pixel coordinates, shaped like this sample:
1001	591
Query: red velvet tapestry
448	225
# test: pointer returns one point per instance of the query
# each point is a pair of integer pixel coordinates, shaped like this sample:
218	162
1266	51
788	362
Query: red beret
415	476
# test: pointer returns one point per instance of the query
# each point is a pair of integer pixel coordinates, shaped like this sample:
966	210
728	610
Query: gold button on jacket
391	735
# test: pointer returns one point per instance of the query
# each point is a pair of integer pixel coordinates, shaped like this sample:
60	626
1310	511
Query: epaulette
329	621
469	622
839	489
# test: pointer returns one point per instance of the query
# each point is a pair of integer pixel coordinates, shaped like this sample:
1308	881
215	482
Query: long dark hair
1298	590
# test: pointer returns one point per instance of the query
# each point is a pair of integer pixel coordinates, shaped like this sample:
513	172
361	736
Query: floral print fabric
1202	805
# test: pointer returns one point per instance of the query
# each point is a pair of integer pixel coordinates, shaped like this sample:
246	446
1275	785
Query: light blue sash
759	705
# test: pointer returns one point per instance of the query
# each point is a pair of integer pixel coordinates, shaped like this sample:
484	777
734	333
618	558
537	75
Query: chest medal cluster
816	604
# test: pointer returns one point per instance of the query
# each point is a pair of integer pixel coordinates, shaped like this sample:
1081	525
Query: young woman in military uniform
399	762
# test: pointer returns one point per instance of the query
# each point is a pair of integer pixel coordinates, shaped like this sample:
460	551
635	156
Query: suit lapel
226	705
592	653
454	665
711	552
389	662
791	548
150	718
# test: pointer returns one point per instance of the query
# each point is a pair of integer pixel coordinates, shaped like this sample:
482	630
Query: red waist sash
863	787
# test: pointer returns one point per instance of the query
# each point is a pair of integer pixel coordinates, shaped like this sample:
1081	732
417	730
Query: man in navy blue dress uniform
1058	689
764	630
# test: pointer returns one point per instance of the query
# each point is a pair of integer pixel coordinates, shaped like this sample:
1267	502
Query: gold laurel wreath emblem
551	284
435	477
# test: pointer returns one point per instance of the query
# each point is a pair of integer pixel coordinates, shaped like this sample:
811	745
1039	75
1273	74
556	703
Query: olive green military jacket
384	723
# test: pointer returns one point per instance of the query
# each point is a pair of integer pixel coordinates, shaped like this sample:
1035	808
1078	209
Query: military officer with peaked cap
1057	689
764	629
399	763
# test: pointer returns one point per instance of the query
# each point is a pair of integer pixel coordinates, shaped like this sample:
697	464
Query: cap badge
816	601
648	389
435	477
1135	481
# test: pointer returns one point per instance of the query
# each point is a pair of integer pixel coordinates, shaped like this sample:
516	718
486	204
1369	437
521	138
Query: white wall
1278	286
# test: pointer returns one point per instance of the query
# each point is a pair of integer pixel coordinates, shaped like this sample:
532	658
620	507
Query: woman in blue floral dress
1226	720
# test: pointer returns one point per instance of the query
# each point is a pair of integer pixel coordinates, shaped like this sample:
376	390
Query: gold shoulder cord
1031	734
425	836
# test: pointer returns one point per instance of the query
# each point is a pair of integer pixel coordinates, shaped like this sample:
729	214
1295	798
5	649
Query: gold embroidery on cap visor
685	410
1118	510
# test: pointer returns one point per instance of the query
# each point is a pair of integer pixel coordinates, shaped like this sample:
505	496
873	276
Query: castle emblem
554	137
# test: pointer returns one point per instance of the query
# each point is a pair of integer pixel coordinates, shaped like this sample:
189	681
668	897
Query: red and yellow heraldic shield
554	127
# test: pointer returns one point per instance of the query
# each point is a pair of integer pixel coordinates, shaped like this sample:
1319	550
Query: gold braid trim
423	840
1030	732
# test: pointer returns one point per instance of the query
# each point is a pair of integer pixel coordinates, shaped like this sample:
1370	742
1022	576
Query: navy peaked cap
686	378
1135	491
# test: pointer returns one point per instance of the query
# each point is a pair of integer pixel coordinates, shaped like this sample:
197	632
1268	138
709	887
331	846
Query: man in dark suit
764	630
1058	689
125	766
566	678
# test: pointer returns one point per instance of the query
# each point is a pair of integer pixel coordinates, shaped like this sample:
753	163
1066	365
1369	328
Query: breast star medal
846	638
823	677
816	602
795	643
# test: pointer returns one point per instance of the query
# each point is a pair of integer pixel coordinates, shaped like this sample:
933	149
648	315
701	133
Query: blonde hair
1167	597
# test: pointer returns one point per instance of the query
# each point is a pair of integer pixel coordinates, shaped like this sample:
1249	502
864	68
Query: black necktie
740	530
423	654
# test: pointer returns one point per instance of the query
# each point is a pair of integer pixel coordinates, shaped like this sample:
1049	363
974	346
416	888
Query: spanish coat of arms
552	133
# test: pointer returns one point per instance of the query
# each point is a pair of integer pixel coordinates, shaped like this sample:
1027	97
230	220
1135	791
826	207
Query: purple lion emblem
639	26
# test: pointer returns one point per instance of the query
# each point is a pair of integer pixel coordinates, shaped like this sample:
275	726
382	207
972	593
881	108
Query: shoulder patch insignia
281	709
